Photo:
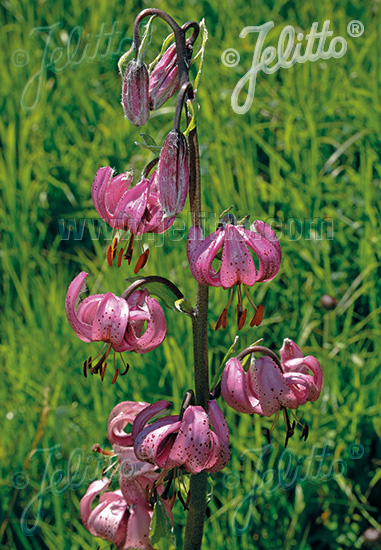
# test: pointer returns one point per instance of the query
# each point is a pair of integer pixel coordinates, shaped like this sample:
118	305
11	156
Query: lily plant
162	457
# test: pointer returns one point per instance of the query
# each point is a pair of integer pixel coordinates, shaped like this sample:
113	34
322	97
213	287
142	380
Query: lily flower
137	209
233	244
270	386
117	322
196	441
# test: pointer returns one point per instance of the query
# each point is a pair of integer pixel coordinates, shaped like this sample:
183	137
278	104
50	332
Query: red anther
130	250
115	376
258	317
241	318
109	255
221	321
120	257
143	258
85	369
114	244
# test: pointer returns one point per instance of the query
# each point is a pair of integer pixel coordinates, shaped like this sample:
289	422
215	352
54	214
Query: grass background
308	148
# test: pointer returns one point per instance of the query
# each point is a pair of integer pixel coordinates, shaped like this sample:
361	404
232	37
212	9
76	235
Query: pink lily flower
189	441
267	387
237	264
122	517
137	209
114	320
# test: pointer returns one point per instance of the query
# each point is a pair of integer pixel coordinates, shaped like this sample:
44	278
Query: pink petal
154	334
154	442
92	492
121	416
219	453
138	528
116	189
191	447
87	308
289	350
98	191
77	286
271	388
310	362
110	321
237	263
234	388
130	466
131	207
109	519
146	414
268	252
201	254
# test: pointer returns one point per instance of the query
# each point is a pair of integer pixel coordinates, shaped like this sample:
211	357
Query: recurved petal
191	447
147	414
219	452
109	519
237	263
87	308
110	321
138	528
120	417
289	350
85	507
234	388
201	257
271	387
311	363
98	191
268	252
115	190
131	207
154	442
154	334
76	287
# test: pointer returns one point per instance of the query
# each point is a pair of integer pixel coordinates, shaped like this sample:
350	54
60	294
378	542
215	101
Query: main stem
198	483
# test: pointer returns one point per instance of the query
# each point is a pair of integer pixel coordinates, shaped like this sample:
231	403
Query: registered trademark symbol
355	28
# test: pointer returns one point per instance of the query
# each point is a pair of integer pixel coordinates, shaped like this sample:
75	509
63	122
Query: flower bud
164	79
172	173
135	93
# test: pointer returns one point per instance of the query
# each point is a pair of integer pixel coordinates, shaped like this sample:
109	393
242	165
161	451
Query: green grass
309	147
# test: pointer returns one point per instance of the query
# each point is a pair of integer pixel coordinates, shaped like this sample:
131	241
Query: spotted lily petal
77	286
120	417
110	320
234	388
237	263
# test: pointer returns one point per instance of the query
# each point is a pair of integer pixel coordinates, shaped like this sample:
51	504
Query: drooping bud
173	174
135	93
164	79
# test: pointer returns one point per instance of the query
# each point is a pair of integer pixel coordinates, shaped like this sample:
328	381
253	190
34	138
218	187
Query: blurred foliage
308	149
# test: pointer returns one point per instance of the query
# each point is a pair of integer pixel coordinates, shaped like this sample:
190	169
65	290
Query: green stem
198	483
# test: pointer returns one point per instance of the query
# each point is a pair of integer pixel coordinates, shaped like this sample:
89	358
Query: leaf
149	143
228	354
166	295
201	53
146	40
124	60
162	536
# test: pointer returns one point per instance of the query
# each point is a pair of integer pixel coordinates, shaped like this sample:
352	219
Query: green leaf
166	295
149	143
201	52
162	536
146	40
125	59
228	354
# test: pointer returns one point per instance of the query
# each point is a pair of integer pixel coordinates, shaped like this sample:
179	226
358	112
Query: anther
130	250
126	371
143	259
115	376
222	320
120	257
103	371
183	502
96	448
85	369
109	255
241	317
258	316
